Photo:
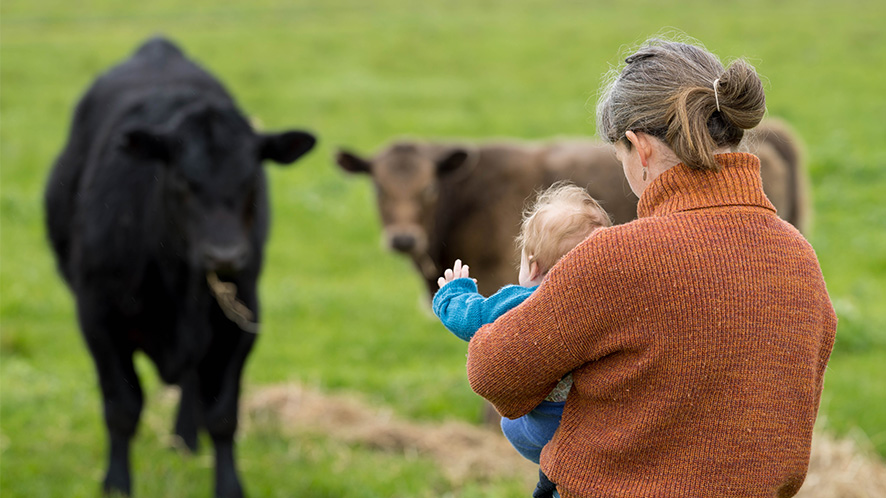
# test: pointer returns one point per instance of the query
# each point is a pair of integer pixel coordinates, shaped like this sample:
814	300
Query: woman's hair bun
741	96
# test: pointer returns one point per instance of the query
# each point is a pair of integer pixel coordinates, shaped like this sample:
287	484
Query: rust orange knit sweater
697	336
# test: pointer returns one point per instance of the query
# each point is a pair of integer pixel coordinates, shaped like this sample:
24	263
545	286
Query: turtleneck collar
681	188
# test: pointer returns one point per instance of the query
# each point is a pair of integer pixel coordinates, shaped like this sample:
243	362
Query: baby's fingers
465	273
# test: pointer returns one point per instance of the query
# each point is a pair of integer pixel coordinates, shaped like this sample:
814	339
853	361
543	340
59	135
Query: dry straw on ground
838	468
464	452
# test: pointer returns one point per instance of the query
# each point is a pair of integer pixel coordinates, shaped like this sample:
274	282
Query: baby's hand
457	271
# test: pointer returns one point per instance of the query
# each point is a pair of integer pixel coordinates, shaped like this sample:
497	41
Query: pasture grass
340	312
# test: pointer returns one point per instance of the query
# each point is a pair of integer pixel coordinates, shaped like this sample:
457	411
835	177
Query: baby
562	216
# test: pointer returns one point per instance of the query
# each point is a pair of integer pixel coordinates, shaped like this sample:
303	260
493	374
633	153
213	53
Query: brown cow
439	202
785	179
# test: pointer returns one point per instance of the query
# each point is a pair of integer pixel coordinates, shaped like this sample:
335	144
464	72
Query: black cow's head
212	178
407	180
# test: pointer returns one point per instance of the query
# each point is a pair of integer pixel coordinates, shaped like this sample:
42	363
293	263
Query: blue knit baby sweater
463	310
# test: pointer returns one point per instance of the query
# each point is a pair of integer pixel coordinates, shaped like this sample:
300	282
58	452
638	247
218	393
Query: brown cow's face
406	188
406	178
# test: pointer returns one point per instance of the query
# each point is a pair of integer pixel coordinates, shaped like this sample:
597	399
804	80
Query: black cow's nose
403	242
225	259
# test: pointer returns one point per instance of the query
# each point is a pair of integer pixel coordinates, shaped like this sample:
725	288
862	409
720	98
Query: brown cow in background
785	179
439	202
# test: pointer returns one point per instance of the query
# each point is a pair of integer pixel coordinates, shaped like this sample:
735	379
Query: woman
698	334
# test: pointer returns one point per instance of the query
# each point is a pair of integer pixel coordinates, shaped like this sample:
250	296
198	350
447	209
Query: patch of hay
837	469
840	469
464	452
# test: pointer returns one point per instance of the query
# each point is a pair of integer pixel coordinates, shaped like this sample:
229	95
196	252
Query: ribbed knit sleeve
541	343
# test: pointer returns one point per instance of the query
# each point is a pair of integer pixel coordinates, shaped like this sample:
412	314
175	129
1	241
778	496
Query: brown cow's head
406	177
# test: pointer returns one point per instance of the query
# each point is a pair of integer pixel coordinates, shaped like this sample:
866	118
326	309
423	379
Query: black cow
157	211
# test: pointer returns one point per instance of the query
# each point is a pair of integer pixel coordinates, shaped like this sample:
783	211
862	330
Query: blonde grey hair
560	218
672	91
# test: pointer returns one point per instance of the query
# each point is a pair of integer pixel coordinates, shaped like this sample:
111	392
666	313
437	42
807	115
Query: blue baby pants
529	433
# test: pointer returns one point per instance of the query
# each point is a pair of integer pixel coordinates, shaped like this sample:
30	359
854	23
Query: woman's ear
641	145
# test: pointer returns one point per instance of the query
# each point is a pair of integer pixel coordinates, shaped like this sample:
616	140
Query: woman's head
560	218
682	95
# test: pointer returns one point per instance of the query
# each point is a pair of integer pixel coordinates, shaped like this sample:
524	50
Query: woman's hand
457	271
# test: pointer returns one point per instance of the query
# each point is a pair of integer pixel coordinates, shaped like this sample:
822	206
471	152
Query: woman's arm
516	361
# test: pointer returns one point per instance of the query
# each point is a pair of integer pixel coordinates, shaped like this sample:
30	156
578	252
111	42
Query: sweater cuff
456	286
460	285
450	290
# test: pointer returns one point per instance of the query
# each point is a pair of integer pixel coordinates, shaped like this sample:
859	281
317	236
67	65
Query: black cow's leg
121	391
220	386
123	404
187	423
227	479
220	393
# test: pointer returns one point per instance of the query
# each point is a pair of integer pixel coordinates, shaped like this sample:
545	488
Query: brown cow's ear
352	163
285	148
451	161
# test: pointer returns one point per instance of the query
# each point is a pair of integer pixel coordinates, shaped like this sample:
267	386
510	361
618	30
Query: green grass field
341	313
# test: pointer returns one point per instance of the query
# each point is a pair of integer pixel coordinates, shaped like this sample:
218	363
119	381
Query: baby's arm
463	310
459	306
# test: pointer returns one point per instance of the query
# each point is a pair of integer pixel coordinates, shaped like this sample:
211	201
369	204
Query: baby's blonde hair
561	217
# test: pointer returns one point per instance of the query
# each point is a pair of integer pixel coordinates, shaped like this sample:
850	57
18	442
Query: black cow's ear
147	144
452	161
352	163
286	147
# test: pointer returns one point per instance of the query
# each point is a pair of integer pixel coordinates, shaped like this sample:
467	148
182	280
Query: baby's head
561	217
